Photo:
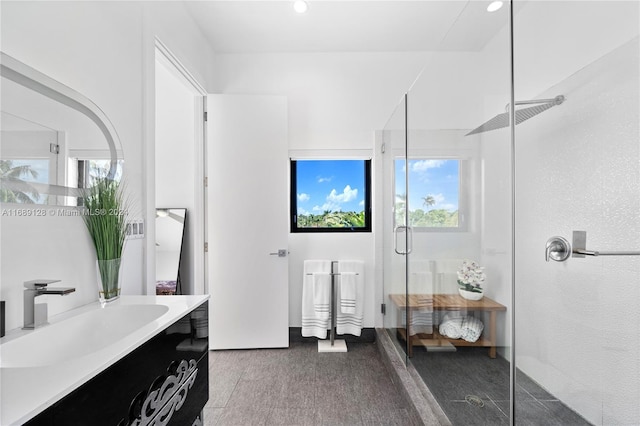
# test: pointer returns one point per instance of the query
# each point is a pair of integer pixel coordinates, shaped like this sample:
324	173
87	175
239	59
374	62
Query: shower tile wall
578	169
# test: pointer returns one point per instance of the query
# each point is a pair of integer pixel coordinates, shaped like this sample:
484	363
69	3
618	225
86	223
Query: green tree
13	175
429	201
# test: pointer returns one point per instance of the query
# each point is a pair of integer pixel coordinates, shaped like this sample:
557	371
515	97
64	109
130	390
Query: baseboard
368	335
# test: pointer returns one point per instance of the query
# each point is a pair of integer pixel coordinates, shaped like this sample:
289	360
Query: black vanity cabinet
164	381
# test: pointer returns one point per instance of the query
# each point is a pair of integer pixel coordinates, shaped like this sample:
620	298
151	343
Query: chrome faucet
36	315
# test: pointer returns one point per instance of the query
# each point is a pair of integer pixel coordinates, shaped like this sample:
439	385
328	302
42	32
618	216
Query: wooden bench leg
492	334
409	336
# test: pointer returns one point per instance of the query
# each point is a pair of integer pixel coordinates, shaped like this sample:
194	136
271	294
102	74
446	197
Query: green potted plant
471	276
105	215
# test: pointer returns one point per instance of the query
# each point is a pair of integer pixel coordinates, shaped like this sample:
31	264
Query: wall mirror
170	226
55	141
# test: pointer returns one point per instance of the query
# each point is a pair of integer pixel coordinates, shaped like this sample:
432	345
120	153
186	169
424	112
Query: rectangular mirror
170	225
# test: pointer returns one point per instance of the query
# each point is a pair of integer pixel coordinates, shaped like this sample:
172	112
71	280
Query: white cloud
302	212
317	209
424	165
347	195
324	179
332	207
361	203
303	197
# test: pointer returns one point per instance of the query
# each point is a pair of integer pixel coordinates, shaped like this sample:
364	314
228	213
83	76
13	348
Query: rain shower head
502	120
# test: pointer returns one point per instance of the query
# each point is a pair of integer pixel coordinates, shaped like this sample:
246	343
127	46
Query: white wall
175	174
336	102
578	169
104	50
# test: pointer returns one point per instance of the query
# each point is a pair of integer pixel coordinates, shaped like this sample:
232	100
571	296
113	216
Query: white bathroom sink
77	336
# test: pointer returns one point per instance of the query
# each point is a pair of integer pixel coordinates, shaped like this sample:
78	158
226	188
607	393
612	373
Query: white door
247	211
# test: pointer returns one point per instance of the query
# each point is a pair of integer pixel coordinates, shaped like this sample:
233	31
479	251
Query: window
330	195
22	172
435	198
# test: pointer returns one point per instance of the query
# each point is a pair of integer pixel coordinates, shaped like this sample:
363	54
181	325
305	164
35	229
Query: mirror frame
33	79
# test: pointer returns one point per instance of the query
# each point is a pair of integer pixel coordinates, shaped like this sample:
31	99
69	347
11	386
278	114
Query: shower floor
473	389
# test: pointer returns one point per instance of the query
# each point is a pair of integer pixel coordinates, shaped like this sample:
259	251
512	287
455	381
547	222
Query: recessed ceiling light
494	6
300	6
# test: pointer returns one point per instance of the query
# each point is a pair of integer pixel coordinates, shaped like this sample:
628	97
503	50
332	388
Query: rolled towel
451	325
472	329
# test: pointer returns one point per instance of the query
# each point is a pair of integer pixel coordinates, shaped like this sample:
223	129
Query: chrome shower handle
557	249
409	242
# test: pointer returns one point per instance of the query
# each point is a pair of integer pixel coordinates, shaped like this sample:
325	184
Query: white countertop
27	391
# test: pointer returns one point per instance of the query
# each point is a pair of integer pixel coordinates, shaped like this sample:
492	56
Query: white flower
471	274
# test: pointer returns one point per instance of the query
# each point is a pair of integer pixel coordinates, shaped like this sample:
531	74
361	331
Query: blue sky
334	185
435	177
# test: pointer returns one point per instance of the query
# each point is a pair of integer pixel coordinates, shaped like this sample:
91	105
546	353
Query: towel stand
333	345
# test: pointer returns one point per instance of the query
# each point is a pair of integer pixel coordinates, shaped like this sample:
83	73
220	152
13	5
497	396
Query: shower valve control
558	249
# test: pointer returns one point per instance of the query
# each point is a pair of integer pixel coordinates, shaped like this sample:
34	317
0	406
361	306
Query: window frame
293	204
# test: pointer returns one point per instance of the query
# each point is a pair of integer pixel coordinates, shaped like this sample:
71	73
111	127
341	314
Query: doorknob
558	249
280	253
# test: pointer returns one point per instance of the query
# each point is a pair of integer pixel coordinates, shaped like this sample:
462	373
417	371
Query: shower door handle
409	241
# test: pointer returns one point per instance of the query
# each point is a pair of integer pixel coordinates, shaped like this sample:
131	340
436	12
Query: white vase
470	295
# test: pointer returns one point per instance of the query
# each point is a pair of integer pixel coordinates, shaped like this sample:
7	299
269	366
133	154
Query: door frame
196	217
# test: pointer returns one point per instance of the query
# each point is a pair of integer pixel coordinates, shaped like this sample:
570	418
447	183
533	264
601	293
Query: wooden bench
448	302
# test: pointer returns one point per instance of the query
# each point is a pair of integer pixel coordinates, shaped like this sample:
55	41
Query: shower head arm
556	101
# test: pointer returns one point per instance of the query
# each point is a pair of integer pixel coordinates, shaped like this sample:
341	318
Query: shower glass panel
578	169
396	232
461	184
455	196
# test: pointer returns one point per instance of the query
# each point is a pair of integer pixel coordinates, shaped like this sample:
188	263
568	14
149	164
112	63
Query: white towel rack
333	345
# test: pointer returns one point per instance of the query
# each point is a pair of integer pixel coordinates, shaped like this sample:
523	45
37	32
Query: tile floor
451	376
299	386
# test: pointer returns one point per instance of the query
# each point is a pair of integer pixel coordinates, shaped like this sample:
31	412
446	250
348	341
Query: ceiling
235	26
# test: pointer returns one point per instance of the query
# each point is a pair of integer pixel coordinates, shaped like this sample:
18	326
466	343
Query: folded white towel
321	294
312	326
348	292
352	323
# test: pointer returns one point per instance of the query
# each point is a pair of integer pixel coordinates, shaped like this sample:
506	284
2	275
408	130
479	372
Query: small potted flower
470	279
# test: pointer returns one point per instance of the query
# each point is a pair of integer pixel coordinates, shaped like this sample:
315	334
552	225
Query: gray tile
533	388
377	392
237	416
255	393
464	414
230	358
564	415
339	415
301	386
337	393
395	417
210	416
297	393
292	416
221	386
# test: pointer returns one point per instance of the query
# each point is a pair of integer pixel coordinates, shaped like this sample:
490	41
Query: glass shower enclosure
544	196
